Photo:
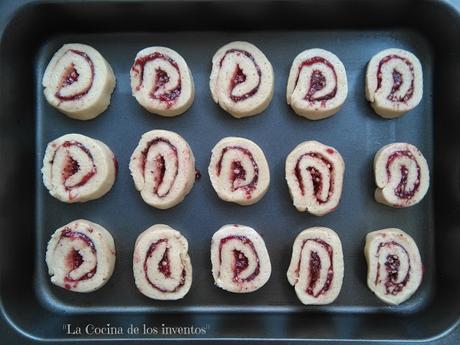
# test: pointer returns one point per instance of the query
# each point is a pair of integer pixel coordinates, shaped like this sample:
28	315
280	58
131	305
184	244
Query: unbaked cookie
241	79
78	81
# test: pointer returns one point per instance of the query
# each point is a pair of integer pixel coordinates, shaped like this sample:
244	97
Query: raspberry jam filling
240	261
392	266
314	269
316	176
163	267
238	172
71	166
161	78
239	76
318	80
160	165
398	79
71	76
402	190
74	259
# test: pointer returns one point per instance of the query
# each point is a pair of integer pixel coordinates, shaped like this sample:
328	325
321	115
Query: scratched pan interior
36	31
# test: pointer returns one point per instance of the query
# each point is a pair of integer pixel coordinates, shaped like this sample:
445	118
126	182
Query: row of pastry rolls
77	168
79	81
81	258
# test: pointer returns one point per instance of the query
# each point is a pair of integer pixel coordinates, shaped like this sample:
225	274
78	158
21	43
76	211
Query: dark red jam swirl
240	261
402	190
238	172
392	266
239	76
316	177
159	169
71	166
318	80
315	268
74	259
169	97
397	79
71	76
164	267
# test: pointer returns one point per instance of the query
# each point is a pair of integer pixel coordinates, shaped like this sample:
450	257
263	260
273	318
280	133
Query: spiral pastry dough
314	174
241	79
316	268
240	261
80	256
401	175
162	82
239	171
317	85
78	81
161	264
163	168
394	266
77	168
394	82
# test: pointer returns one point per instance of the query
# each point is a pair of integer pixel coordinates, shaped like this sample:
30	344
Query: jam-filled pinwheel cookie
401	175
317	85
77	168
80	256
162	82
239	171
161	264
163	168
316	269
394	266
394	82
240	261
314	174
241	79
78	81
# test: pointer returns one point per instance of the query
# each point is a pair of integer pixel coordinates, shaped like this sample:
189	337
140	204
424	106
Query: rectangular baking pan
32	310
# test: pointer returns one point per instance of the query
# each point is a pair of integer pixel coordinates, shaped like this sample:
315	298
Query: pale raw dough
241	80
401	175
239	171
230	241
81	256
77	168
78	81
163	168
394	249
396	66
313	163
305	92
162	82
316	242
162	246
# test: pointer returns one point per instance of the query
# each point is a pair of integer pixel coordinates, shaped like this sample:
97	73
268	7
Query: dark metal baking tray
34	310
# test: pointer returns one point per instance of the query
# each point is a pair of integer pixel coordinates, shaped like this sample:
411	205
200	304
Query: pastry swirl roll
401	175
241	80
317	85
78	81
394	82
161	264
239	171
162	82
314	174
240	261
163	168
77	168
80	256
394	265
316	268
